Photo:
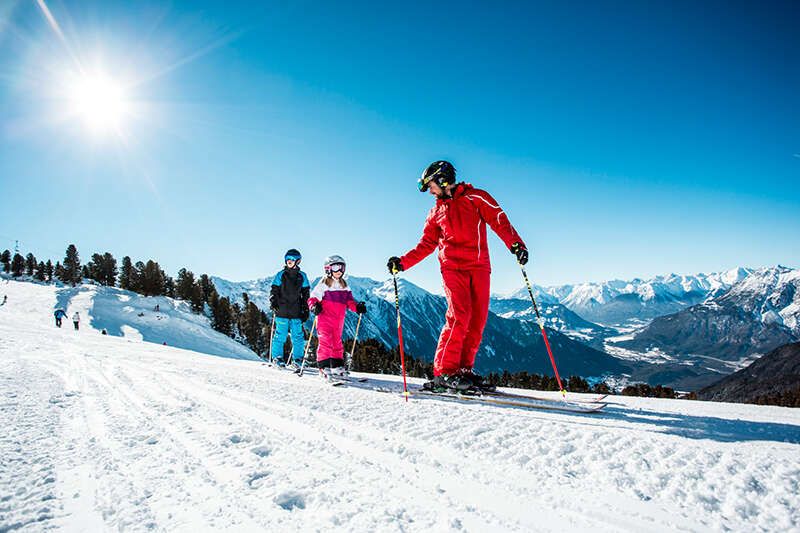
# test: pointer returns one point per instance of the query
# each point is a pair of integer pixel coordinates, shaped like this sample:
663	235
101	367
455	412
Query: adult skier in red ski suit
456	224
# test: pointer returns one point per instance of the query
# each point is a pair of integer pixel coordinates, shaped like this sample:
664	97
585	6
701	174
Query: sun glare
99	101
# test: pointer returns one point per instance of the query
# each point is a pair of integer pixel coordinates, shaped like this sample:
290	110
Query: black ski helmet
442	173
292	254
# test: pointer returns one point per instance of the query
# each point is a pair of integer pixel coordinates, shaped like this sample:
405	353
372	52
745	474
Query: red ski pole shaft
400	332
540	321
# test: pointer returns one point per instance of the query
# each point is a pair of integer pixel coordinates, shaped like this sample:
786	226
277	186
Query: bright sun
99	101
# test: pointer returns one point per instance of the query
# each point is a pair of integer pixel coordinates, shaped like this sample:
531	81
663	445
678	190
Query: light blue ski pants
293	326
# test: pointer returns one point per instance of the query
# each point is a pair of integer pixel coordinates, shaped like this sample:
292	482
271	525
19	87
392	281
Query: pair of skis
581	405
337	381
517	400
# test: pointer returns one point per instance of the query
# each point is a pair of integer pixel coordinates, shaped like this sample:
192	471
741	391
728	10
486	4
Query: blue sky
623	139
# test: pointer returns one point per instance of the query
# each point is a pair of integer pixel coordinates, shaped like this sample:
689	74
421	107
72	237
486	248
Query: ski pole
400	331
271	335
349	360
308	345
540	321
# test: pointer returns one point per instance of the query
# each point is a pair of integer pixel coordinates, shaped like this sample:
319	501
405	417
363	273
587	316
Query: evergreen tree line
649	391
245	323
789	398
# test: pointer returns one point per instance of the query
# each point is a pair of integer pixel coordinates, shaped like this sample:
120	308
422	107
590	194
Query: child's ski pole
271	335
308	345
349	360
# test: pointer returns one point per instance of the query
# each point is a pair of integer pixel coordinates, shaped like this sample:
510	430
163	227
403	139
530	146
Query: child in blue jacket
288	301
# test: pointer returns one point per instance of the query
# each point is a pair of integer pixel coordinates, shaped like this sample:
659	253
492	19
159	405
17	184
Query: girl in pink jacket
330	300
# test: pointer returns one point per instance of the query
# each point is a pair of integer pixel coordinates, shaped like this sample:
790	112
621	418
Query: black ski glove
394	264
317	308
304	314
273	304
361	308
520	251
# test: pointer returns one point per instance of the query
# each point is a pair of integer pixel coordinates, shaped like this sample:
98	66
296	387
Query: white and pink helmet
334	263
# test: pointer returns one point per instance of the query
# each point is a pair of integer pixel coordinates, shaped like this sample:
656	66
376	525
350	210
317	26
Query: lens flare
99	101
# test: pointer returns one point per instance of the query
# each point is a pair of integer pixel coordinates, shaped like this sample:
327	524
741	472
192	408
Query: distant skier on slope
289	303
456	224
76	320
330	300
59	314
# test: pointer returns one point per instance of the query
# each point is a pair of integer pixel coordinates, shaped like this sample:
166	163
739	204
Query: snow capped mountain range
756	315
753	311
618	301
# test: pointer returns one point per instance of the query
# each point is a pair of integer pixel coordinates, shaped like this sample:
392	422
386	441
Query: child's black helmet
293	255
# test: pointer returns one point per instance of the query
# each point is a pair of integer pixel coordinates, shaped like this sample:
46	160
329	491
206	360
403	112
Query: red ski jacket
457	226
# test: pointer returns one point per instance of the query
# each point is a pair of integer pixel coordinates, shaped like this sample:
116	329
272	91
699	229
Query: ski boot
339	372
453	383
478	381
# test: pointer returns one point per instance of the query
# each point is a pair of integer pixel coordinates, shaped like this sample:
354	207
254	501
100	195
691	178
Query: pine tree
5	259
30	264
48	270
17	265
58	271
222	317
169	287
108	271
137	278
40	271
251	326
152	279
184	287
206	285
72	266
196	298
125	273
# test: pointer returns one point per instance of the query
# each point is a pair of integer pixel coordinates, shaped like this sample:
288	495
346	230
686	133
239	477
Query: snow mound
124	314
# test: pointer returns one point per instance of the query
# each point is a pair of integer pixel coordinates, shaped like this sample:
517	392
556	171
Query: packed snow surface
109	433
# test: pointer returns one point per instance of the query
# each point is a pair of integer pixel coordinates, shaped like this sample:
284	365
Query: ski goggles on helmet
335	267
422	183
291	258
441	173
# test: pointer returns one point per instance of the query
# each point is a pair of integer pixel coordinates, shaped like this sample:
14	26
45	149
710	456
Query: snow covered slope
124	314
103	434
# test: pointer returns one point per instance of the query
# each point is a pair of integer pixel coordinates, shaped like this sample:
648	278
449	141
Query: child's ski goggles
335	267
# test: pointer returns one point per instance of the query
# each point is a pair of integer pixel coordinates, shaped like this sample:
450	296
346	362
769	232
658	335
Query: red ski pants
467	293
